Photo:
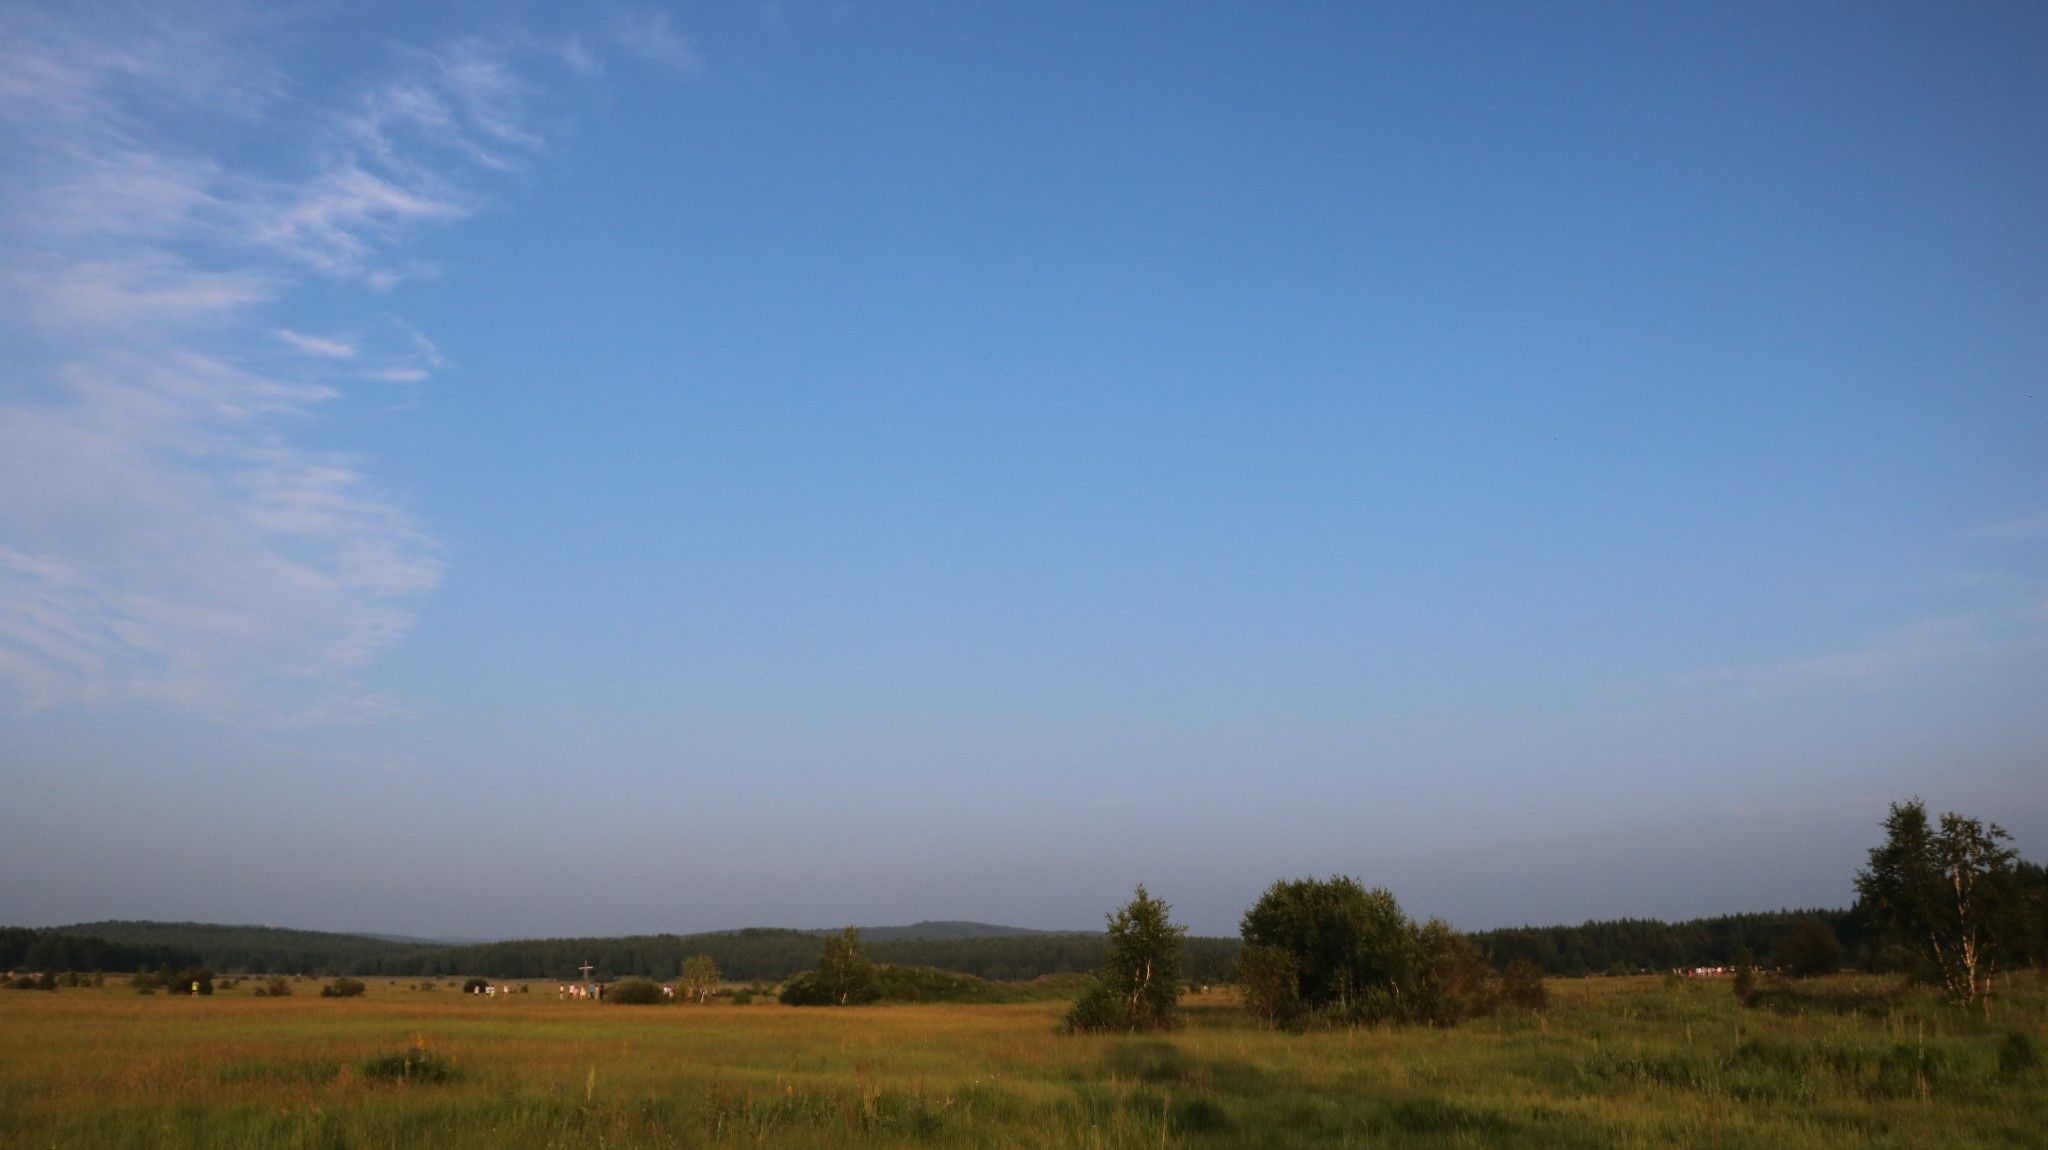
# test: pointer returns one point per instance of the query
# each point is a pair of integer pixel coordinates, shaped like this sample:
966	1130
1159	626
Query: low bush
929	984
415	1065
1521	986
808	989
634	992
342	988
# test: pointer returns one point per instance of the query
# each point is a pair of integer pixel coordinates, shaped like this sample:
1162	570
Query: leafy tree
1140	983
1810	949
1269	979
844	976
844	971
1947	898
1355	953
700	977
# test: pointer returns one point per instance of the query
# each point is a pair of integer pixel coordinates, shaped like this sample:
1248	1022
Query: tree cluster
1638	945
844	976
1331	950
1948	902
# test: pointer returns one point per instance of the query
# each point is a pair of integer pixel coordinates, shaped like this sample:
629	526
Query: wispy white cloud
165	533
651	37
316	345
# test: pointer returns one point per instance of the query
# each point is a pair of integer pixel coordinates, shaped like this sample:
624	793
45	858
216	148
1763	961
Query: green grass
1614	1063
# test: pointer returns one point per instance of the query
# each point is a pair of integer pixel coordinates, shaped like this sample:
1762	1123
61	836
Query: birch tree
699	978
1946	896
1139	986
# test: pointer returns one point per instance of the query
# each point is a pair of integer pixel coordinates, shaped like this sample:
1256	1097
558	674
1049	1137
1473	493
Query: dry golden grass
1615	1062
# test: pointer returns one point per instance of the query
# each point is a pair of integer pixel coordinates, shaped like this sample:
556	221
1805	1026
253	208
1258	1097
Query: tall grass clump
415	1065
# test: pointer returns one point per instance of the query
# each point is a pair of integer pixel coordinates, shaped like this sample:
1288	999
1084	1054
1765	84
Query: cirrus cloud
166	532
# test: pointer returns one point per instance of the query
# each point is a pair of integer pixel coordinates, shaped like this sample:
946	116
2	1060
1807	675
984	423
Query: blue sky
499	470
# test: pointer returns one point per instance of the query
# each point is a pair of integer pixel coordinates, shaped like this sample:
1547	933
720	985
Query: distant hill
919	931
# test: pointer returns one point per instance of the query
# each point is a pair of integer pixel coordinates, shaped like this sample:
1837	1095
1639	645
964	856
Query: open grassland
1614	1062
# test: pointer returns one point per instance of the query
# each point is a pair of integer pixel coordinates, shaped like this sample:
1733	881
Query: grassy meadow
1614	1062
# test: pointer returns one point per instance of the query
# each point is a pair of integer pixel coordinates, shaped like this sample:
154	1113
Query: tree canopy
1948	898
1140	983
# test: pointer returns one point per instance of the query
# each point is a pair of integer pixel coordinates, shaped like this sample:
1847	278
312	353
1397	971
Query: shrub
342	988
1457	982
1098	1009
275	988
416	1064
2017	1055
634	992
802	990
1268	978
474	986
192	980
929	984
1522	987
1357	956
1810	949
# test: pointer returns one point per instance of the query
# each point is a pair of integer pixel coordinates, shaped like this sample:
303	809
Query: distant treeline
1646	944
1641	944
1002	954
772	954
760	953
25	949
253	949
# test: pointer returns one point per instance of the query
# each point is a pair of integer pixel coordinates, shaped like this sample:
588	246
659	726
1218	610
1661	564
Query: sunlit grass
1615	1062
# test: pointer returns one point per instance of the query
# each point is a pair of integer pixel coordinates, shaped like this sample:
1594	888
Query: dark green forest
1633	945
69	949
